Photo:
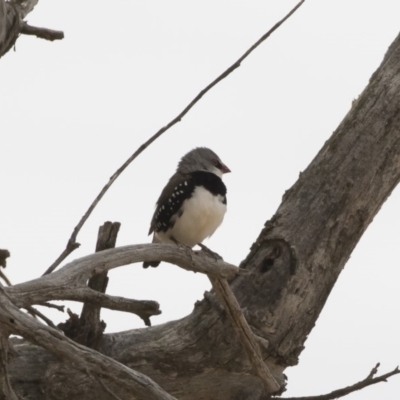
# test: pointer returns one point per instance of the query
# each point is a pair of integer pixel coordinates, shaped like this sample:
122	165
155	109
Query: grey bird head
202	159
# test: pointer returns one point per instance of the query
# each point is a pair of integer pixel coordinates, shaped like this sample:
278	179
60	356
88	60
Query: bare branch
72	245
69	283
368	381
37	313
245	334
142	308
51	305
88	329
42	33
82	358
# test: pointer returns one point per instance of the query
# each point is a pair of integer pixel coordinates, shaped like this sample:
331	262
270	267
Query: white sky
73	111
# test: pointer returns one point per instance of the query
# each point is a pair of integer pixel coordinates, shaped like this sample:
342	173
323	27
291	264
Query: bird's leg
209	252
180	245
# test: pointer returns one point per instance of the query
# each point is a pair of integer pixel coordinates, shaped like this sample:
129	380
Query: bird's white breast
202	214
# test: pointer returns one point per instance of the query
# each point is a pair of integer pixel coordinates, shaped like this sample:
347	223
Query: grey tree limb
69	283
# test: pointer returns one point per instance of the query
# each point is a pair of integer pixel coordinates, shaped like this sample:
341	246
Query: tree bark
294	265
12	24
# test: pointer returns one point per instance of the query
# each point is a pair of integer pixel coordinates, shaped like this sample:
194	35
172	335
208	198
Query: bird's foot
209	252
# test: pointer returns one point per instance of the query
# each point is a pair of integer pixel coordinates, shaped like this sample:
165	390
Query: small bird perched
193	203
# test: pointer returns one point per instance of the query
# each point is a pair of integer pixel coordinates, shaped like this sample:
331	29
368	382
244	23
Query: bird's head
202	159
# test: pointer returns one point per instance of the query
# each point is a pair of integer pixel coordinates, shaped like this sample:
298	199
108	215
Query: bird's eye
217	163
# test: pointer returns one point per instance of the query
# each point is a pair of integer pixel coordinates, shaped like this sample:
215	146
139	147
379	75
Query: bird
193	203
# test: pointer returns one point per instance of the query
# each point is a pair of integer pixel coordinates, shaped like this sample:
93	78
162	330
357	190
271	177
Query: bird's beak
224	169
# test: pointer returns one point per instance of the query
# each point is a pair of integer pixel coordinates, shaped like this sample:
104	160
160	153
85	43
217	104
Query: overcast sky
73	111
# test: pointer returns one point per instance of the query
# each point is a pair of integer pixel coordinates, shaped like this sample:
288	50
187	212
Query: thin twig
245	334
368	381
37	313
51	305
72	245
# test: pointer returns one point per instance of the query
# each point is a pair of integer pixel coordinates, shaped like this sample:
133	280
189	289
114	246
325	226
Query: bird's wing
177	190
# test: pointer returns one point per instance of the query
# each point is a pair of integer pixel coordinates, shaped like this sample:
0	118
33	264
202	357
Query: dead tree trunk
295	262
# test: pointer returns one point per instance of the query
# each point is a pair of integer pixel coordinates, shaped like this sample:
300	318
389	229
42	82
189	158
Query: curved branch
69	283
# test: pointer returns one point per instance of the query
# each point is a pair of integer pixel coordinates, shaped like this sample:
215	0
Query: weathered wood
6	391
97	367
69	283
295	262
9	26
12	14
245	335
91	328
